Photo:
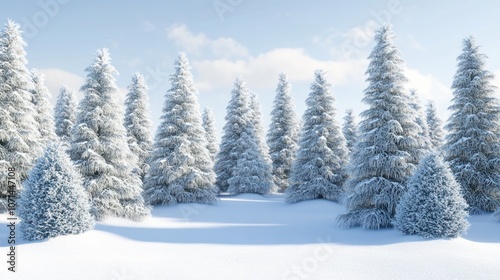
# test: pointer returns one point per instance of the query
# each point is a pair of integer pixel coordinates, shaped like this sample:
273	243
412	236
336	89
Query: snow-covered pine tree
496	215
209	126
472	145
237	119
319	168
99	147
40	99
433	205
435	125
283	134
388	147
54	201
137	122
260	135
252	174
420	119
65	113
350	129
181	169
20	141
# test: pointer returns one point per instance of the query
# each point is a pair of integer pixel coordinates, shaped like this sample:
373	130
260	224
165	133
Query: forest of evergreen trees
400	166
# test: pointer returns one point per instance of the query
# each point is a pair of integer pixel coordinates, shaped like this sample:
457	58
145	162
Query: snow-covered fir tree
472	145
99	147
181	169
496	215
137	121
65	113
256	117
209	126
40	99
237	119
433	205
319	168
20	140
54	201
388	147
283	134
420	119
252	174
350	129
435	125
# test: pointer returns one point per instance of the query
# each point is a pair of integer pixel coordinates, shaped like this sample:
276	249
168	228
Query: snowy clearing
254	237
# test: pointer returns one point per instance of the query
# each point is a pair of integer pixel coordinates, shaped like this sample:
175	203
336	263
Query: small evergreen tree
319	169
137	121
237	119
65	113
388	147
40	99
256	117
350	129
209	126
496	215
433	205
283	134
472	145
252	174
435	125
53	201
181	168
19	136
99	147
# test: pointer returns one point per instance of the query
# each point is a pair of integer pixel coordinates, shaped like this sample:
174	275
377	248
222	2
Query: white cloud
55	78
198	43
262	71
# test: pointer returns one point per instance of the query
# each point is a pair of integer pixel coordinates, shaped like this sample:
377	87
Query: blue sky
256	39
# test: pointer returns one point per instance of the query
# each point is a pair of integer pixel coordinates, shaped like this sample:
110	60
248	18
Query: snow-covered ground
254	237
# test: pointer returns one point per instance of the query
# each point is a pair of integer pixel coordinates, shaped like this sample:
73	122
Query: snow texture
283	134
350	129
138	123
65	113
181	169
472	145
388	147
99	147
433	206
211	134
20	139
53	201
435	124
319	168
40	99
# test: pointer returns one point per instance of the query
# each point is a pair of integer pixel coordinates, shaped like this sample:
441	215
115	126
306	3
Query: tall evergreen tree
435	125
256	117
99	147
237	119
319	169
54	201
433	205
181	169
388	147
283	134
40	99
472	145
209	126
137	121
421	120
65	113
350	129
19	136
